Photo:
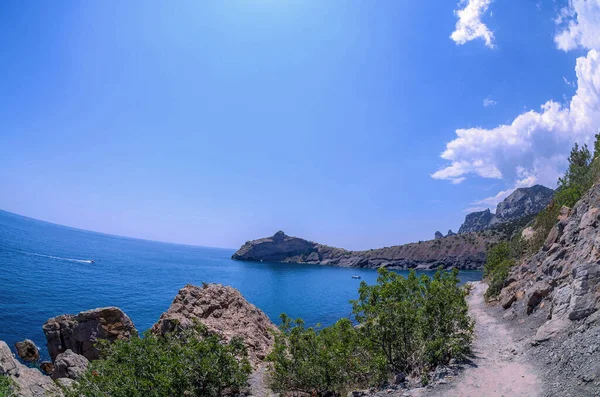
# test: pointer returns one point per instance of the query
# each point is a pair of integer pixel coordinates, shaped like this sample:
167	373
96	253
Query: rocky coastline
465	252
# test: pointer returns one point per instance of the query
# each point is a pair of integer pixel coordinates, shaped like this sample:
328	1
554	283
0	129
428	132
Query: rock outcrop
27	350
450	233
80	332
556	292
225	312
69	365
476	221
438	235
523	202
29	382
464	251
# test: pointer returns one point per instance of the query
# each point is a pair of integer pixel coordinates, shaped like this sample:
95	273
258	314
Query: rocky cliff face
29	382
476	221
224	311
521	203
556	293
79	333
464	251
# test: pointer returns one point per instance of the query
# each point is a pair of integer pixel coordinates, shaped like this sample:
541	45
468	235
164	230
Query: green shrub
6	386
415	322
407	325
496	255
330	360
189	363
497	278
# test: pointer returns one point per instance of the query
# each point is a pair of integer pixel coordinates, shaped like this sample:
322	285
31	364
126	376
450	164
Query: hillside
465	251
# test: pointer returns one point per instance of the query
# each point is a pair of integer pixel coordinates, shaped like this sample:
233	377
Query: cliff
523	202
464	251
554	297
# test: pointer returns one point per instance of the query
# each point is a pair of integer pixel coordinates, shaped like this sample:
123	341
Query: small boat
92	261
356	276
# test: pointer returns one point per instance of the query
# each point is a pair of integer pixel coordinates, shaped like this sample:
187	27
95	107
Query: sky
356	124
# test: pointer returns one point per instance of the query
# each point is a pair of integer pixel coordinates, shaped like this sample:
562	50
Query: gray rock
536	293
29	381
520	203
586	291
225	312
476	221
438	235
65	383
69	365
27	350
80	333
523	202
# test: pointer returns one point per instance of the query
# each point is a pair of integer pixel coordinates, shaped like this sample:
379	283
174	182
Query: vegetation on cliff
579	177
406	326
5	387
187	363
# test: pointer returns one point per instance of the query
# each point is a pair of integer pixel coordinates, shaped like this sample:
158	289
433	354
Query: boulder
438	235
69	365
586	291
528	233
450	233
47	367
80	333
27	350
536	293
29	382
225	312
552	237
507	299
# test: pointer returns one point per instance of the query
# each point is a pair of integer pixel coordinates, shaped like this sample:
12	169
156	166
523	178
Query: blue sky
213	123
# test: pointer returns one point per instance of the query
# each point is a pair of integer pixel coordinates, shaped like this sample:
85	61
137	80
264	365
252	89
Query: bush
6	389
407	325
415	323
497	278
189	363
330	360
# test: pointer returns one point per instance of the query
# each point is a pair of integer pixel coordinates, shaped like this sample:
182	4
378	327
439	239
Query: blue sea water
46	270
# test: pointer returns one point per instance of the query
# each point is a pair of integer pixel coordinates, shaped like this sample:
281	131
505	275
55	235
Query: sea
47	270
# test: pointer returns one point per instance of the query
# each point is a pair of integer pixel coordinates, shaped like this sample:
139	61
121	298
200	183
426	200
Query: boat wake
60	258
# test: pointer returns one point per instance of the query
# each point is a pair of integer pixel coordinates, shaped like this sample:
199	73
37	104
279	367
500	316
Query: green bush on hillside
189	363
407	325
6	389
415	322
333	359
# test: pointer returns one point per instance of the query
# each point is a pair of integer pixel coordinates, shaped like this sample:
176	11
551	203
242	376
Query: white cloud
469	26
534	147
582	25
487	102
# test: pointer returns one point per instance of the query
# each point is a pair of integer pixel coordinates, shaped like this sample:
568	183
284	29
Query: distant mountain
464	251
526	201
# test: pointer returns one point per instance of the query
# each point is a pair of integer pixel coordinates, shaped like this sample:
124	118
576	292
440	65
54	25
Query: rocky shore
72	339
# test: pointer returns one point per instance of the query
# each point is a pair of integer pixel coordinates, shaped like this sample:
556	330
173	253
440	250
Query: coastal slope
465	251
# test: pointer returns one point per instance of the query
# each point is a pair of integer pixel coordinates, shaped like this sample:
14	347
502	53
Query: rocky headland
465	250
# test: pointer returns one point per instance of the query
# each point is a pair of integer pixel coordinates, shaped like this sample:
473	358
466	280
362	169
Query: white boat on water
356	276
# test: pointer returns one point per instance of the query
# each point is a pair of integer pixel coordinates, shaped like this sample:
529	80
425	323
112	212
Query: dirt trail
497	367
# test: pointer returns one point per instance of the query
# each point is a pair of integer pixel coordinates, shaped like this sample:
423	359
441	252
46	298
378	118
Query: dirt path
497	368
